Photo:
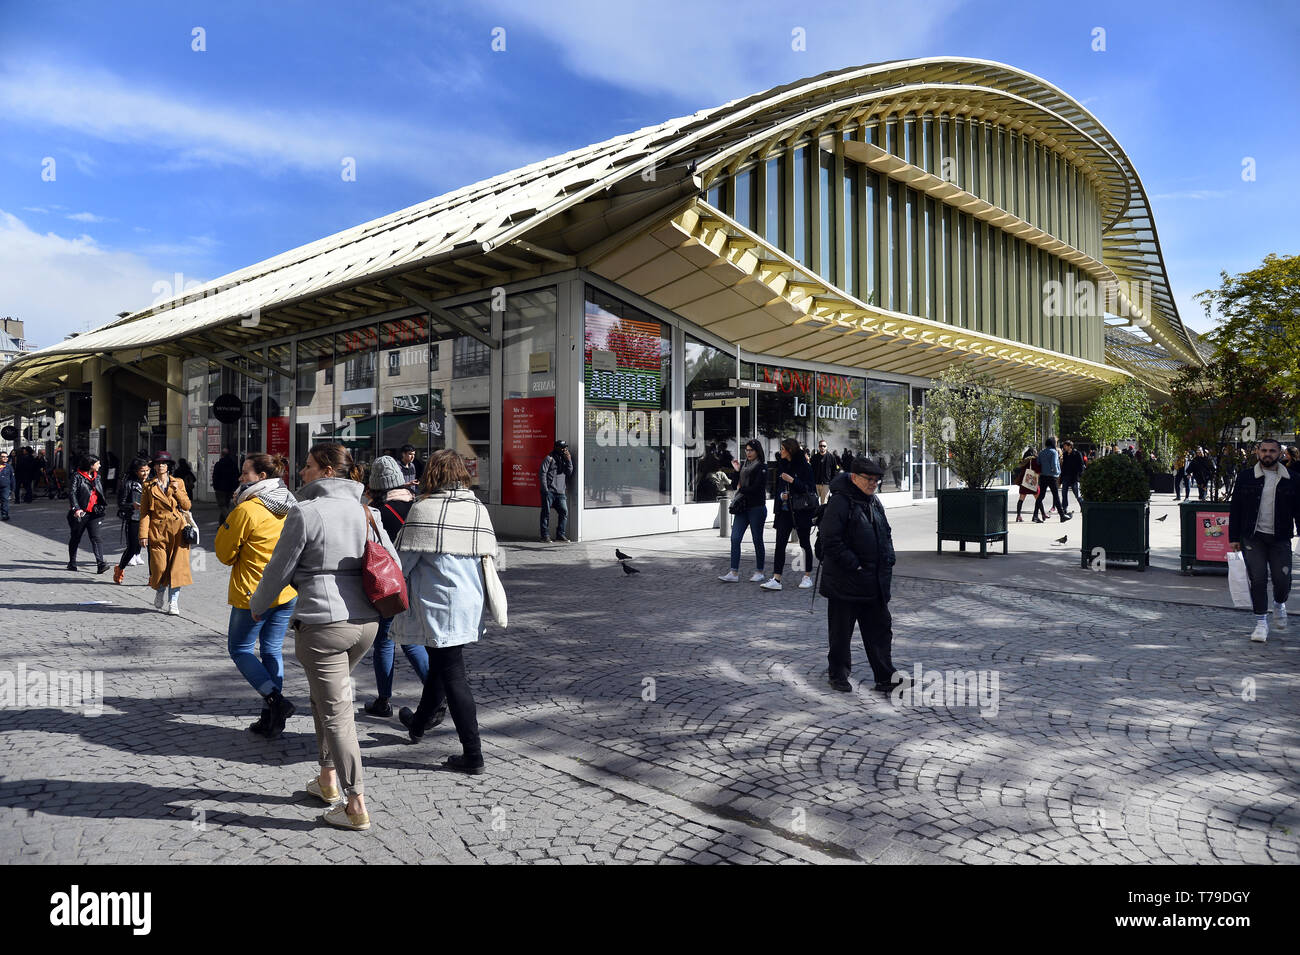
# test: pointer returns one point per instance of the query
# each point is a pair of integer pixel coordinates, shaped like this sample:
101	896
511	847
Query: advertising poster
1212	535
277	435
214	440
527	436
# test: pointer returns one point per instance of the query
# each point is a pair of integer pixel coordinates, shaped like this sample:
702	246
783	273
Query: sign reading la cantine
227	408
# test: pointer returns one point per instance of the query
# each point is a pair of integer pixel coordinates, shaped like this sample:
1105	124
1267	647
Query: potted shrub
1116	511
980	430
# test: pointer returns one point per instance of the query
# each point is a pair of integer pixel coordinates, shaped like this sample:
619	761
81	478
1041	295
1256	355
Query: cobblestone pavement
665	717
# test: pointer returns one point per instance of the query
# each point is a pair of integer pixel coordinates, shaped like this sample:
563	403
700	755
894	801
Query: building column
175	408
101	404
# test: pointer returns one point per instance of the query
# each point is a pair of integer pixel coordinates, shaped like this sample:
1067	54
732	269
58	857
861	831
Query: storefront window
355	394
406	410
467	398
841	413
786	412
711	418
887	432
279	400
314	404
528	409
626	372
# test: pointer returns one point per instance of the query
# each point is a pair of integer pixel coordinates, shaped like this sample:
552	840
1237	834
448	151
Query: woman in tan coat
163	507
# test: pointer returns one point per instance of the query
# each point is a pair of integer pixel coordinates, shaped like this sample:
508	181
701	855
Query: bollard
724	518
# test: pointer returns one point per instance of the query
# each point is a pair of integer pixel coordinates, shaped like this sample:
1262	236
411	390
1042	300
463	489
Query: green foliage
974	426
1115	477
1121	411
1260	320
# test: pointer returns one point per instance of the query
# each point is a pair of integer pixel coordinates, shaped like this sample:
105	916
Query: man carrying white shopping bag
1262	516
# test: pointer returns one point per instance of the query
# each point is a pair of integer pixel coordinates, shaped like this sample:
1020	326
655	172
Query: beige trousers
328	653
823	491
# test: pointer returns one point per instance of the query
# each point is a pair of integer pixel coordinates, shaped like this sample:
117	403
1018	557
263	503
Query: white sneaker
1279	616
729	577
135	561
160	598
758	577
174	606
772	584
806	583
1260	633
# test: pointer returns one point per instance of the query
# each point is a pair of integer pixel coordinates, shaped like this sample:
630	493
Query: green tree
975	425
1215	405
1123	410
1259	319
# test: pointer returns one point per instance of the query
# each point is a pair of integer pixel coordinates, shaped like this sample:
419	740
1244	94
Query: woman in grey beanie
390	495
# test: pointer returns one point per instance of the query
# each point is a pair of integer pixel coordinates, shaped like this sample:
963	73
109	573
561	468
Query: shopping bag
1029	481
1238	581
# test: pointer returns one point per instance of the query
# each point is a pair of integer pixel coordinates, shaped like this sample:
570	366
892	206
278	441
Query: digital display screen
636	379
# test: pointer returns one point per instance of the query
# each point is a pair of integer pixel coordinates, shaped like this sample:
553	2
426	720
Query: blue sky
170	161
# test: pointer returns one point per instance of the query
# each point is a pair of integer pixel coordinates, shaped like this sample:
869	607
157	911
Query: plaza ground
665	717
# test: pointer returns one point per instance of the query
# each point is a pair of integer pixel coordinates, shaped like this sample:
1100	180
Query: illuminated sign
635	377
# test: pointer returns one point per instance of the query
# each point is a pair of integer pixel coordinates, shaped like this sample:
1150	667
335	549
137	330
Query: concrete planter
973	515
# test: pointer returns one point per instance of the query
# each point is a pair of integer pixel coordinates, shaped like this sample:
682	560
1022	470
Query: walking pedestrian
26	470
225	482
86	506
857	572
1049	460
793	507
164	505
320	552
447	538
1264	510
749	510
1201	470
825	465
130	494
553	476
411	468
1180	475
8	481
1072	467
1028	465
245	542
186	474
391	496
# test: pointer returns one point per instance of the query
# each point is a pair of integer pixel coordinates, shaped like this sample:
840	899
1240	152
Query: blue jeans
754	519
416	655
4	502
245	633
551	499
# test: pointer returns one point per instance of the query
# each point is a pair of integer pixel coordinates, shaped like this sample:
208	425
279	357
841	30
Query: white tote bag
493	591
1238	581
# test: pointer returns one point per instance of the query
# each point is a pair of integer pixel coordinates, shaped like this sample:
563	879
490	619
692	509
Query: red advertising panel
1212	535
277	435
527	436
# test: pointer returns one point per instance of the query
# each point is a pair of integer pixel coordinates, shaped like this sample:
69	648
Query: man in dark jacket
1071	468
857	569
825	465
7	483
225	481
1265	509
556	469
1201	469
25	470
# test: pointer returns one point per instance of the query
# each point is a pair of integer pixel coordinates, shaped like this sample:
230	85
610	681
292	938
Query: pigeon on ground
1161	518
620	555
629	570
1062	540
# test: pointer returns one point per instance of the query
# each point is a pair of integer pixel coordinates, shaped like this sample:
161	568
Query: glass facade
711	424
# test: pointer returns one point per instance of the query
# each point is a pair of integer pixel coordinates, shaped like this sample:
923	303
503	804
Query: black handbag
804	501
737	503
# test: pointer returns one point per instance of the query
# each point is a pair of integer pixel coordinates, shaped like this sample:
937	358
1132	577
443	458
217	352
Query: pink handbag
381	576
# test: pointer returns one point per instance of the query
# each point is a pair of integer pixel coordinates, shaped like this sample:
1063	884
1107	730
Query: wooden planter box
973	516
1190	530
1122	529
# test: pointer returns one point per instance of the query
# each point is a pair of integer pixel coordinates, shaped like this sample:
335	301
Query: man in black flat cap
856	573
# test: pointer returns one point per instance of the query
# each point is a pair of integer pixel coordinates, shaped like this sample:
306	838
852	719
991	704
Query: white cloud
718	51
36	209
1194	194
85	217
188	131
59	284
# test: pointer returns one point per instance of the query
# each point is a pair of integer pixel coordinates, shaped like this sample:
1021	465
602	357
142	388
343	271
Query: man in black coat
857	569
225	481
1071	468
825	465
1265	510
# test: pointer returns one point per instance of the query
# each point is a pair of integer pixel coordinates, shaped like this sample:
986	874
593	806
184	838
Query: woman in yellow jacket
164	504
245	543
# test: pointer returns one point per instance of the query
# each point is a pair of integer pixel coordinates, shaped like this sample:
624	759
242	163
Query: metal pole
724	518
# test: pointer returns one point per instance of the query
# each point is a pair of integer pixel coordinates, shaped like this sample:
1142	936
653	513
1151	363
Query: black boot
281	709
101	567
263	722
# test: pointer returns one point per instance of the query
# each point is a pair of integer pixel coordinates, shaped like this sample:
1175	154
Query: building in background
799	263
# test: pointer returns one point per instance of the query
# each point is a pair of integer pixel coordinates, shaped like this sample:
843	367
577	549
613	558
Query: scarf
449	521
399	494
271	494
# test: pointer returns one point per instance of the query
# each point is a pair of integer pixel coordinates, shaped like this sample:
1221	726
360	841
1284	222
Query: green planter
1190	529
973	516
1120	528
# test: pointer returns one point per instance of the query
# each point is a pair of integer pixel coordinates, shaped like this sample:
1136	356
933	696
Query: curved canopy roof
554	213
